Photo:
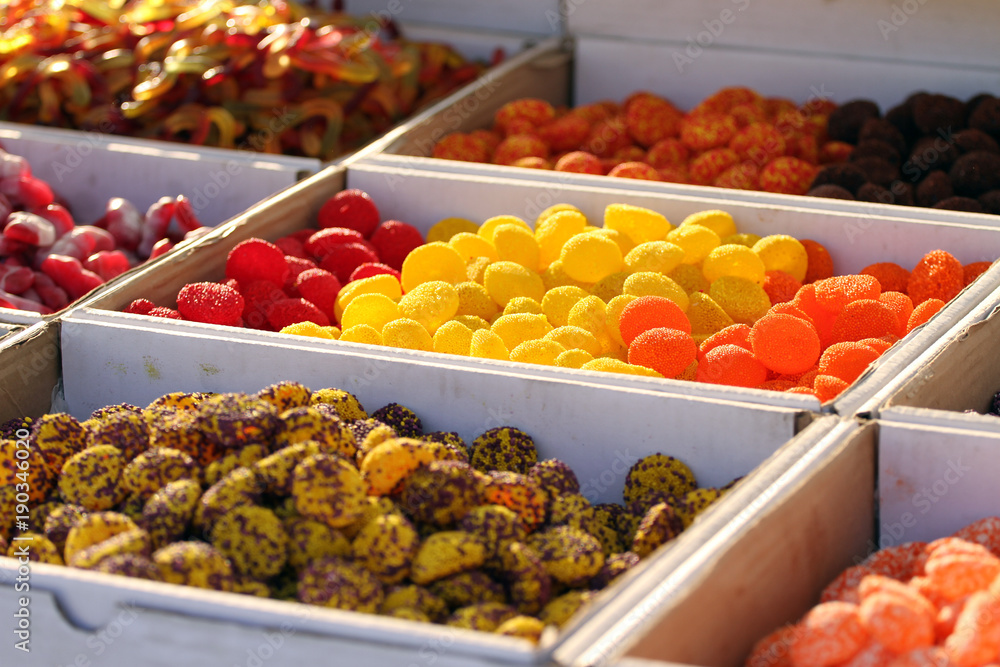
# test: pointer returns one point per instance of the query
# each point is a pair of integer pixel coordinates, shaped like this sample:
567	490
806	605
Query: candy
864	318
345	403
453	338
831	633
518	328
168	512
937	275
256	259
352	209
212	303
320	288
519	493
328	489
91	478
408	334
667	351
341	584
386	545
785	344
733	260
590	257
444	554
846	360
95	528
156	468
743	300
506	280
697	241
731	365
394	240
505	449
568	554
431	303
487	345
658	526
833	294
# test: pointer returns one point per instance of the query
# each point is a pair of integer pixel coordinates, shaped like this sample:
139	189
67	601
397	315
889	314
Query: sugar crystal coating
657	472
194	564
168	513
504	448
466	588
253	539
386	546
91	478
329	489
570	555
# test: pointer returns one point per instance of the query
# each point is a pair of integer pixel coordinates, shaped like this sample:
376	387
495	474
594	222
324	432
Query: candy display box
594	68
769	565
423	198
596	429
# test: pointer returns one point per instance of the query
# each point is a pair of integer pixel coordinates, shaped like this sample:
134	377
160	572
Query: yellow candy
543	352
487	229
741	239
453	338
473	299
733	260
609	287
381	284
334	332
557	302
475	270
608	365
472	322
613	314
555	276
515	244
515	329
445	229
781	252
375	310
432	304
432	261
660	256
554	230
647	283
625	244
590	314
590	257
696	241
571	338
487	345
743	300
690	278
719	222
362	333
309	329
506	280
469	245
552	210
390	462
639	224
407	334
522	304
573	358
706	316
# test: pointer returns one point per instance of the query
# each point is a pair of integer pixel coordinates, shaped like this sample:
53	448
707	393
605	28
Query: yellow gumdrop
557	302
733	260
523	304
609	287
590	257
647	283
469	245
552	210
374	309
607	365
660	256
487	345
613	313
590	313
691	372
473	322
382	283
309	329
515	329
695	240
555	276
572	338
407	334
432	261
507	280
719	222
743	300
445	229
543	352
487	228
362	333
332	331
616	351
625	244
690	277
639	224
573	358
453	338
473	299
475	270
432	304
553	231
781	252
706	316
515	244
741	239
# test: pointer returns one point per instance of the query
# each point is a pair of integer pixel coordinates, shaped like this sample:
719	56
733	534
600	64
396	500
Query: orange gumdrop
846	360
901	305
772	650
780	286
831	633
734	334
789	308
807	378
937	275
896	622
864	318
801	390
667	351
821	318
972	271
872	655
731	365
833	294
931	656
958	575
828	387
985	532
976	638
946	618
785	343
845	588
651	312
891	276
924	312
778	385
899	562
880	345
877	583
820	264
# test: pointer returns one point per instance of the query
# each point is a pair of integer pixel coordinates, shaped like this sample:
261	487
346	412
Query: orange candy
846	360
734	334
787	175
666	351
985	532
789	308
703	132
864	318
828	387
972	271
833	294
778	385
880	345
650	312
785	343
731	365
820	264
976	639
899	562
896	622
922	313
845	587
772	651
832	633
780	286
956	575
938	275
901	305
891	276
933	656
708	166
808	378
801	390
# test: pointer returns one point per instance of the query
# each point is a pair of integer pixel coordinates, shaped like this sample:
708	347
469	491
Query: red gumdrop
320	288
321	243
212	303
184	212
100	239
30	229
140	307
162	247
166	313
344	258
369	269
17	280
353	209
296	265
52	295
108	264
69	274
155	224
256	259
8	300
60	218
31	192
259	298
393	240
123	221
291	246
650	312
292	311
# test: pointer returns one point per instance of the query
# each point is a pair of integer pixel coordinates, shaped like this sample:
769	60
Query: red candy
352	209
291	311
320	288
213	303
369	269
140	307
345	257
256	259
322	243
393	240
